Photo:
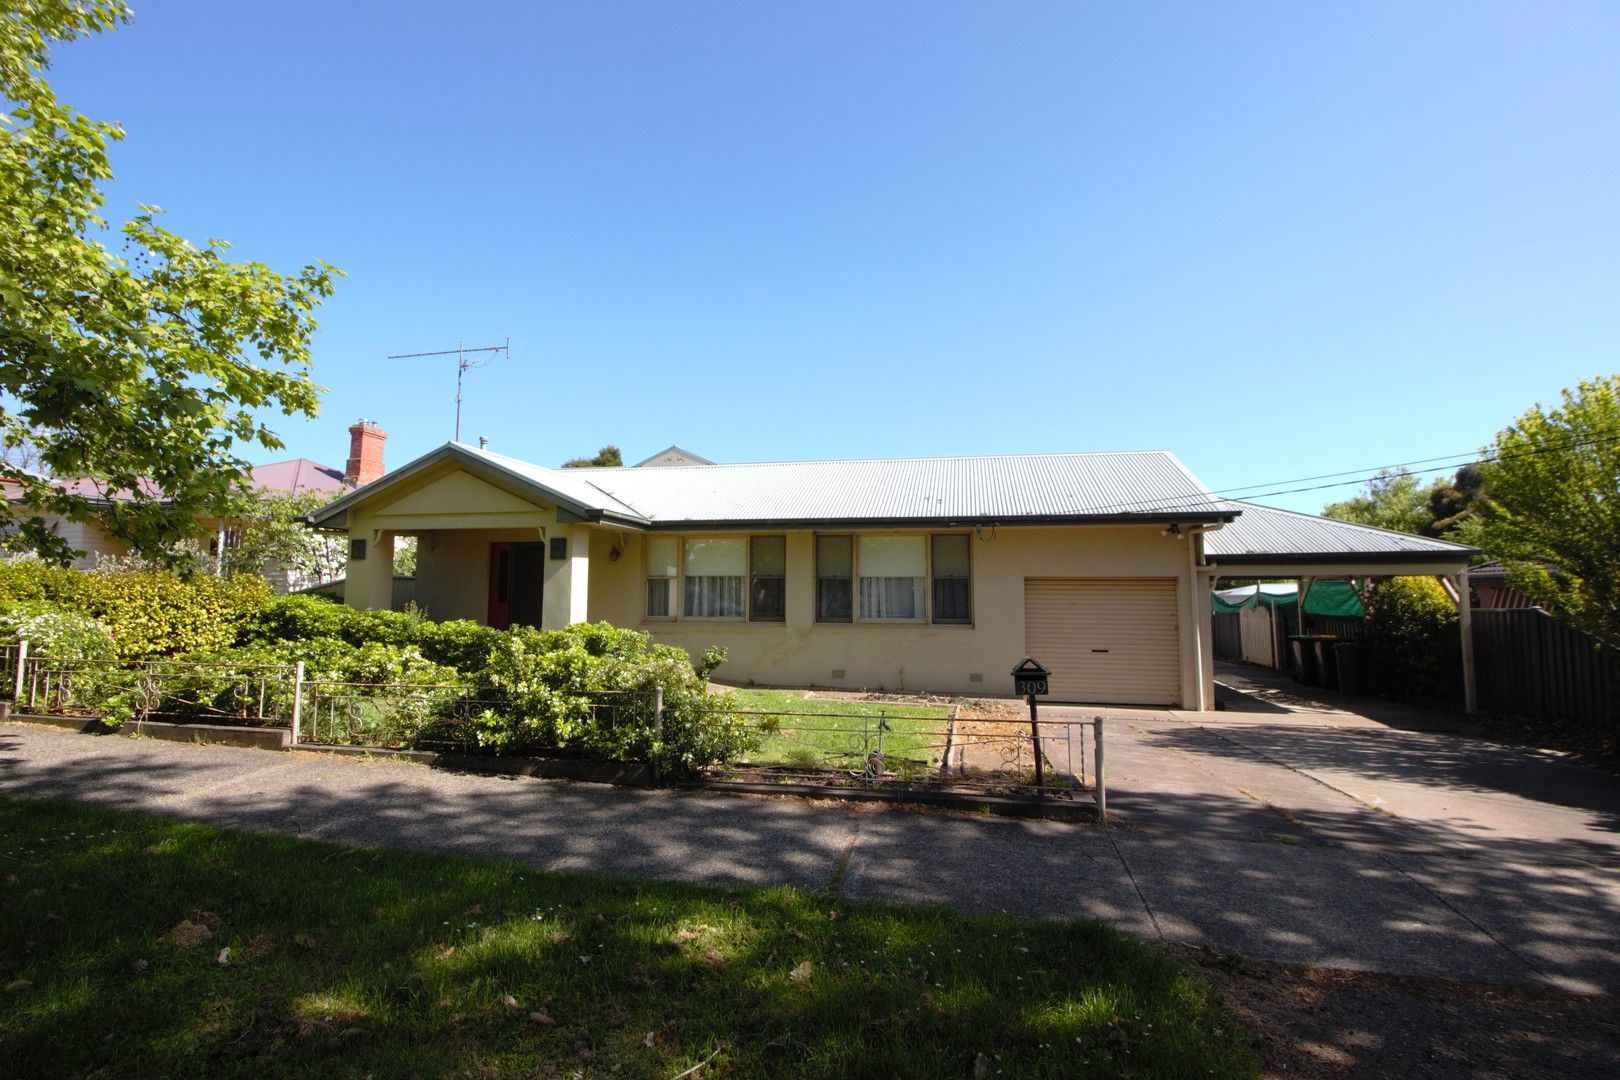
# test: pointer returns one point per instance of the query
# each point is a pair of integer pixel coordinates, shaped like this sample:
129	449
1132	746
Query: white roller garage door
1106	639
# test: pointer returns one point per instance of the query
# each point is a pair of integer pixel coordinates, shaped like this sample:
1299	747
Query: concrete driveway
1363	834
1284	832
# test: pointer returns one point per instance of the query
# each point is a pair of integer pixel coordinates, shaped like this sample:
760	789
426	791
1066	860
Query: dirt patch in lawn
1324	1024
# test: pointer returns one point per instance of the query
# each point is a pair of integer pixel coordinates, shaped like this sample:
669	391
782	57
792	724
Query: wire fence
902	751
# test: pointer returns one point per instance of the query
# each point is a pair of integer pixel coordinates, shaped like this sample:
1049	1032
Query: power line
1453	462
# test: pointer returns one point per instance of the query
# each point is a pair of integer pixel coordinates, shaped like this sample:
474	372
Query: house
295	476
912	574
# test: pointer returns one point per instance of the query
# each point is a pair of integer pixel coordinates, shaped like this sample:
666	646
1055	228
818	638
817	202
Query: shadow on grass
361	961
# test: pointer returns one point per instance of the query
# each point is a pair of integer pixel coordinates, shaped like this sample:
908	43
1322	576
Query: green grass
844	741
355	962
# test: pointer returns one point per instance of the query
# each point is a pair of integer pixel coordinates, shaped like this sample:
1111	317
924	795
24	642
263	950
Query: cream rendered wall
905	656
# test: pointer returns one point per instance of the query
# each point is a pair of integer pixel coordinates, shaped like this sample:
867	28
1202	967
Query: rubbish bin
1302	660
1327	670
1352	664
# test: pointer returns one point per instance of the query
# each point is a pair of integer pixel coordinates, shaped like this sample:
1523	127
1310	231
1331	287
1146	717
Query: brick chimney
365	453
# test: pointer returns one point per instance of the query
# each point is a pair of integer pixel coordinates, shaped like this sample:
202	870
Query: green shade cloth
1326	598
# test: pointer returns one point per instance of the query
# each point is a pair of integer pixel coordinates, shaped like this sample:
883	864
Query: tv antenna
464	364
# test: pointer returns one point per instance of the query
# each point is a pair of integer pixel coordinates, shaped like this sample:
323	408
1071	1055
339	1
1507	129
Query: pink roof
284	477
297	475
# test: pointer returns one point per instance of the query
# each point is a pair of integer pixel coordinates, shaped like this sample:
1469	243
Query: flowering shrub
56	633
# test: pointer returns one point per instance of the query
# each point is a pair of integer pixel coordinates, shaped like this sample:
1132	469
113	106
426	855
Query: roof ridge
886	460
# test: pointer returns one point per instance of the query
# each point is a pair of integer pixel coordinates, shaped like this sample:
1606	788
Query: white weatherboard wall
911	656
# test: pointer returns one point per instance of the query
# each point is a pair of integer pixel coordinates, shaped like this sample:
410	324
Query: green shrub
460	643
1412	623
150	613
299	617
591	687
375	626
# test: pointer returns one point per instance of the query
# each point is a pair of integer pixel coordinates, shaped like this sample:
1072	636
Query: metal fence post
1102	784
22	665
298	699
658	732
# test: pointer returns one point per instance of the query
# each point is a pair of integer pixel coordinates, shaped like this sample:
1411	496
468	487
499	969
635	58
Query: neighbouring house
915	574
295	476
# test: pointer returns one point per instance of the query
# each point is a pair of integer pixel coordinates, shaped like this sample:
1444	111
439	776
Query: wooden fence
1527	663
1244	636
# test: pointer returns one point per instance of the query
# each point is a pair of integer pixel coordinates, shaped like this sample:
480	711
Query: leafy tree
1452	503
270	533
608	455
1393	500
1553	512
142	369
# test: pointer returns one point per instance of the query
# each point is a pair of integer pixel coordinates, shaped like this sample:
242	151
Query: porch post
566	598
1465	627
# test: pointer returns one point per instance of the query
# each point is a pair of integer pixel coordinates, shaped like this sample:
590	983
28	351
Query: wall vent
975	676
838	673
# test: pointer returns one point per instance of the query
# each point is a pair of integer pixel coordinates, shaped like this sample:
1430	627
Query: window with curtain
663	563
767	578
953	579
716	576
835	566
892	571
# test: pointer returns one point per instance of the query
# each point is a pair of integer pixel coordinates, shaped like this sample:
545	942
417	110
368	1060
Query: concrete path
1284	835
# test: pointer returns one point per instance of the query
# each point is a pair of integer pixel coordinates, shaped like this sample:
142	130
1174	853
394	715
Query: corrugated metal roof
1117	485
296	475
1265	530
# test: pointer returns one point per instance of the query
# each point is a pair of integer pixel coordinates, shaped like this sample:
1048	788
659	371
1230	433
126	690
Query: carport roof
1264	536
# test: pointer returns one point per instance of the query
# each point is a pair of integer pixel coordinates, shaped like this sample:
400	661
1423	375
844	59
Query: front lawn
842	731
135	945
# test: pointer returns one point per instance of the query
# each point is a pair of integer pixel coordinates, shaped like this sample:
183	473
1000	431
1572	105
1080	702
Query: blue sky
1277	239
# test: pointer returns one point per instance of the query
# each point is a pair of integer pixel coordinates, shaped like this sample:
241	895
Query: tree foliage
607	456
271	535
1393	500
1553	512
1396	500
142	369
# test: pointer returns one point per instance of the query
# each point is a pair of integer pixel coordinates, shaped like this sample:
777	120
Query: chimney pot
365	453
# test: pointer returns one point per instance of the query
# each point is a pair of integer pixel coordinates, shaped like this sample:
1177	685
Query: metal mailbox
1029	678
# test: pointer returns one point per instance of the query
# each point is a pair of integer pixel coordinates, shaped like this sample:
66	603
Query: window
663	562
835	565
892	570
767	580
953	580
715	576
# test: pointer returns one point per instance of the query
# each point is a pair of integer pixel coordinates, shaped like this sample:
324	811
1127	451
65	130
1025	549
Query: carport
1264	542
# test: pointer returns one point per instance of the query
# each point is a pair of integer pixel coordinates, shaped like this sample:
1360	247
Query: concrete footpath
1339	844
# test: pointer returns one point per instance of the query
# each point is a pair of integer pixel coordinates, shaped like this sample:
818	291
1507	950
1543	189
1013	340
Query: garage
1112	640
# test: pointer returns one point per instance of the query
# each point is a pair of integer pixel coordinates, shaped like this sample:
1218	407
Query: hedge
589	687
